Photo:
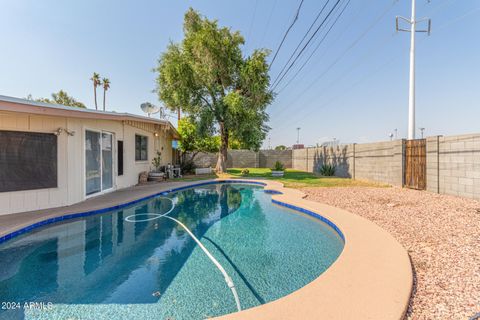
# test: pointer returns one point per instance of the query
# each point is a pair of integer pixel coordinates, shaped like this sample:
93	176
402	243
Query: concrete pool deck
371	279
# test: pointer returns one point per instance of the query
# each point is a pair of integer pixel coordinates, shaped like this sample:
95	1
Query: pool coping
371	279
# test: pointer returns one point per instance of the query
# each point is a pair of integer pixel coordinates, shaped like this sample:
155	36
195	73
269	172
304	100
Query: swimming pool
132	263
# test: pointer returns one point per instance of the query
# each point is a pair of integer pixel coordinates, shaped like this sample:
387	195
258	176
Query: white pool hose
217	264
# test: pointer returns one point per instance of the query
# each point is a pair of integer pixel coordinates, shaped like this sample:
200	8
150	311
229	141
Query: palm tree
106	86
96	82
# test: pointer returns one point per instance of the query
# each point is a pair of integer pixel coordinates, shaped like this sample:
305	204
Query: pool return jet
154	216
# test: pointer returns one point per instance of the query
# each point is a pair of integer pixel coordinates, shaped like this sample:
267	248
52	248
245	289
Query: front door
98	161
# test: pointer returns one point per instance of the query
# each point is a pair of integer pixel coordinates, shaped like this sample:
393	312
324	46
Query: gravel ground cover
441	234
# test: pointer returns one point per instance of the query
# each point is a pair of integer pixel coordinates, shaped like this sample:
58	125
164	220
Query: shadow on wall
336	156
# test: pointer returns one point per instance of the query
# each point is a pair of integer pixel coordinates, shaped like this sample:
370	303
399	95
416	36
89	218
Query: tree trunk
222	155
95	95
104	93
178	114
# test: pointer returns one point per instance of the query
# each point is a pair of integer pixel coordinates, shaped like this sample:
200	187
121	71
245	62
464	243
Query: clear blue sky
53	45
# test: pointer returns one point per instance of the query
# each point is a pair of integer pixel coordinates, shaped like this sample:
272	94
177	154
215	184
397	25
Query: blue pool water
106	267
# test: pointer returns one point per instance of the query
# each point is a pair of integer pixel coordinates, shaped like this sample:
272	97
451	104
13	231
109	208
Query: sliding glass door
98	161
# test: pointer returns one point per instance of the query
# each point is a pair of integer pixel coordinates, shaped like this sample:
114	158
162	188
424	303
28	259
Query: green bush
278	166
327	170
187	167
157	161
245	172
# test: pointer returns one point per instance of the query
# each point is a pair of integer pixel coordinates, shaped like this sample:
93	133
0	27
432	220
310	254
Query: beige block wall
453	165
267	158
71	158
381	162
312	159
246	159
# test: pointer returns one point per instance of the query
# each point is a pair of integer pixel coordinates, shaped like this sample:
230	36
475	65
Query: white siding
71	159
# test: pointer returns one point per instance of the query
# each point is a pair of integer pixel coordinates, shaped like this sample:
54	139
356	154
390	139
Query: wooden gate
415	164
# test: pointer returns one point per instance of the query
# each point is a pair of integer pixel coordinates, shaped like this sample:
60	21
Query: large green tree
192	141
207	76
61	97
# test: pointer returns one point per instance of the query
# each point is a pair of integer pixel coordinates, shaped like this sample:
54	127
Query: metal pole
411	96
298	135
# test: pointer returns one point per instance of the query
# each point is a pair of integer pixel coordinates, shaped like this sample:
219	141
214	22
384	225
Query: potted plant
157	164
278	169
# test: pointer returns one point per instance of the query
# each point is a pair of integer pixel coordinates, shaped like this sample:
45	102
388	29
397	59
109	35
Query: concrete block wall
453	165
380	161
242	159
453	162
267	158
205	160
246	159
312	159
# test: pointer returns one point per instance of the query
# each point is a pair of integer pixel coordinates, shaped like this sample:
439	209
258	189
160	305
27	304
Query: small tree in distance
96	82
207	77
61	97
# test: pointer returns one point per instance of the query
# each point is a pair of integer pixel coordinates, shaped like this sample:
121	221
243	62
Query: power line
316	48
304	36
351	21
268	21
455	20
393	58
286	33
253	19
358	63
342	94
306	45
350	47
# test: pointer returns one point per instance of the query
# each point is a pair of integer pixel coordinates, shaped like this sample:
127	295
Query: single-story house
53	155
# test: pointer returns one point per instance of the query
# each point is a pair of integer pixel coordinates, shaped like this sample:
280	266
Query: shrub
278	166
187	166
157	161
245	172
327	170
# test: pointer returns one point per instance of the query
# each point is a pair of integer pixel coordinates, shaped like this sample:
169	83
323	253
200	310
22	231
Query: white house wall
71	158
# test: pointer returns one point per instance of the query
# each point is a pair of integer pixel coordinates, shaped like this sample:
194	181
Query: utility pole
298	135
411	96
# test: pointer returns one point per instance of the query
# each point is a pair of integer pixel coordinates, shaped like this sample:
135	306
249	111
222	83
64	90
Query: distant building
298	146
